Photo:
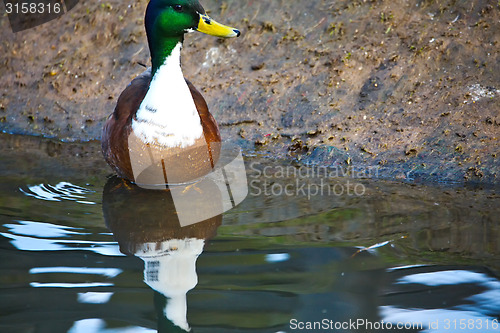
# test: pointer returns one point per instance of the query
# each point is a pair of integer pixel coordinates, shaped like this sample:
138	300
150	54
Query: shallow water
81	252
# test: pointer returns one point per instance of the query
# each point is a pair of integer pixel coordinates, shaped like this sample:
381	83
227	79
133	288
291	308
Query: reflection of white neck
170	269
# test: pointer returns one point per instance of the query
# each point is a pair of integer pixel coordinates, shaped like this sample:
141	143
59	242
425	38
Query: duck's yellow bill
210	27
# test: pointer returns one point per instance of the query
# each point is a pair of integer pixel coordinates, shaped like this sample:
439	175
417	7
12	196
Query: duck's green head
168	20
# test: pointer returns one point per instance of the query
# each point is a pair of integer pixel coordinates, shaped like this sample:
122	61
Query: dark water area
305	251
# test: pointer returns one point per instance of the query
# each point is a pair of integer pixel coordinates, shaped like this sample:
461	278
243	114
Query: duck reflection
153	232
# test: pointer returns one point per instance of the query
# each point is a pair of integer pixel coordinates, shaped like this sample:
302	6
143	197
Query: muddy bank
411	87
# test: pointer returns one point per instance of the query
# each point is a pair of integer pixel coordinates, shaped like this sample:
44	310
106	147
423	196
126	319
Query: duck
161	130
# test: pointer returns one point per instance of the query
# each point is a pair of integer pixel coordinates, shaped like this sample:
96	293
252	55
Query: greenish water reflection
398	253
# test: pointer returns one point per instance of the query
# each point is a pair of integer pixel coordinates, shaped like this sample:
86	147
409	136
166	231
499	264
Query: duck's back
114	141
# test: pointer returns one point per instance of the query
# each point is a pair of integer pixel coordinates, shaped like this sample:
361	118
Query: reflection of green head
164	324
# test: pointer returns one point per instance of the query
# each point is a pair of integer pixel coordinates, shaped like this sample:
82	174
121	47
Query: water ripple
42	236
58	192
42	229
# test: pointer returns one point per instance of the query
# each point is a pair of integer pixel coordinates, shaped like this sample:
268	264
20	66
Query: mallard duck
161	130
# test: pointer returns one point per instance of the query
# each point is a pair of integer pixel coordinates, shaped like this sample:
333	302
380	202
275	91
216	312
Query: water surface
84	252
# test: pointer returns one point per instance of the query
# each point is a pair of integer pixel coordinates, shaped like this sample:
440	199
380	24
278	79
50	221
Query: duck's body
119	132
161	130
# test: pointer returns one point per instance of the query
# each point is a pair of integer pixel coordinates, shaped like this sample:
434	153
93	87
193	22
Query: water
82	252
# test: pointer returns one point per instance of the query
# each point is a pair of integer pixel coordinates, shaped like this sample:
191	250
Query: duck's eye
178	8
